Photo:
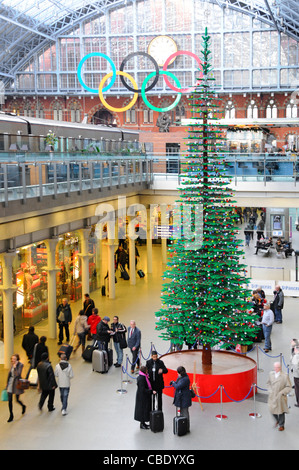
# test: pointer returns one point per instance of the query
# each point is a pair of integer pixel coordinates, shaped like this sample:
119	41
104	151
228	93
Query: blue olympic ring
96	54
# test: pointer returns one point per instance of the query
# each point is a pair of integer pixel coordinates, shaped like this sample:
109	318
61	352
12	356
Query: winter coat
102	332
17	375
81	325
93	321
134	340
143	400
278	300
64	374
46	376
182	396
278	389
29	341
156	379
67	313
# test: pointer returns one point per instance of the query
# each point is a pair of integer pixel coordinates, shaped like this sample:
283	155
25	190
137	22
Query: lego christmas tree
205	296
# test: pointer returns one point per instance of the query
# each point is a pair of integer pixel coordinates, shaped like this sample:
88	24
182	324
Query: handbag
192	393
23	384
4	395
123	342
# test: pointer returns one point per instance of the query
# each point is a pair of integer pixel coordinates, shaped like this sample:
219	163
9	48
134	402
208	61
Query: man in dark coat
88	305
156	368
29	341
182	396
64	318
278	303
103	333
46	381
134	340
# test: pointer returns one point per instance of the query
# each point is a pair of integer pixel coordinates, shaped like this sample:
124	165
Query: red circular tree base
235	372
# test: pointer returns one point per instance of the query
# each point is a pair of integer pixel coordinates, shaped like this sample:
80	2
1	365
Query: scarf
146	378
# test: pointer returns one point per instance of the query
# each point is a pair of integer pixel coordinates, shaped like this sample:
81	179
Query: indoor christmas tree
206	295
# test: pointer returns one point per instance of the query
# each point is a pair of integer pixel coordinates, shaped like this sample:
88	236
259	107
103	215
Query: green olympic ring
154	108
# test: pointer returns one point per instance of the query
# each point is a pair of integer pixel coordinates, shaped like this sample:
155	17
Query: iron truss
26	26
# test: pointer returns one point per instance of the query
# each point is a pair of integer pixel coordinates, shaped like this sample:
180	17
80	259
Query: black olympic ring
129	56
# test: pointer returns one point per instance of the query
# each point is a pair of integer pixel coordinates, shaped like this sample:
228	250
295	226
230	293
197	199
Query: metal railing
37	179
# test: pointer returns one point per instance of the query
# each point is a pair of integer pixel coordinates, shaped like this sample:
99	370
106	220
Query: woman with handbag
13	379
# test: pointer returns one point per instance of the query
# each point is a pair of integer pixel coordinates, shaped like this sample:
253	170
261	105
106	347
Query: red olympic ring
170	58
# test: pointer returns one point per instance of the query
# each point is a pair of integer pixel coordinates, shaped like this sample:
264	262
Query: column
163	240
7	293
132	237
111	247
149	243
52	270
84	256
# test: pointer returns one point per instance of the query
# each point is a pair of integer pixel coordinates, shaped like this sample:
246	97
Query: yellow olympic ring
118	110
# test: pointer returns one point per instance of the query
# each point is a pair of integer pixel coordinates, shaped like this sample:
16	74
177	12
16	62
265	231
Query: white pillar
7	288
149	243
84	256
111	247
51	245
163	240
132	261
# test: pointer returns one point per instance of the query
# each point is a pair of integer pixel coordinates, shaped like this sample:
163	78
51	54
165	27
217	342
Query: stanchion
257	360
254	414
127	381
121	390
221	416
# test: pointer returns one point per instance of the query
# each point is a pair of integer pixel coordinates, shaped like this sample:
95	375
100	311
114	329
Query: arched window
75	112
271	110
148	115
57	111
291	109
131	115
252	110
230	110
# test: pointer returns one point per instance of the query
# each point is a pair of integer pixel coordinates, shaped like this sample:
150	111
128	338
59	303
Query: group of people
268	312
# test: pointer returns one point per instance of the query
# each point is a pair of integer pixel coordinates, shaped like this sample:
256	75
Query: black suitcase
140	273
124	273
180	425
156	420
66	349
110	357
103	290
87	353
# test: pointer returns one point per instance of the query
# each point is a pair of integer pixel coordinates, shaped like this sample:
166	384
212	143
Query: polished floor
100	417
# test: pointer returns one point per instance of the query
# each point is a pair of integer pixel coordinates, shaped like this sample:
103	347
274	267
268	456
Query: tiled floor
99	417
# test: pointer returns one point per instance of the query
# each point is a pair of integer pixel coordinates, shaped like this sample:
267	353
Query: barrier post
127	380
257	360
121	390
254	414
221	416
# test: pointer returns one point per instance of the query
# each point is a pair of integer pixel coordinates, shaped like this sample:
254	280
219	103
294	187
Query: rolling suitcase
100	361
124	273
180	425
88	352
156	420
66	349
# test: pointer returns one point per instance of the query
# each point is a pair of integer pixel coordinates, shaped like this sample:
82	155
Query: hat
106	318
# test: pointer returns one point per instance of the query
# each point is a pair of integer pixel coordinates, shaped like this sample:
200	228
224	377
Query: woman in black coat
182	396
143	398
14	375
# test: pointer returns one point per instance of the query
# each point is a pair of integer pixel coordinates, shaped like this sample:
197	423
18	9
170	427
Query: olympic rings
97	54
170	58
125	108
133	54
168	108
143	88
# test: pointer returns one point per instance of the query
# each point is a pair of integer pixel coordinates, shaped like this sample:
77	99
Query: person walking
134	340
64	318
46	382
267	322
118	335
295	369
182	396
156	369
143	398
279	385
64	373
93	321
278	303
80	329
14	374
30	339
88	305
